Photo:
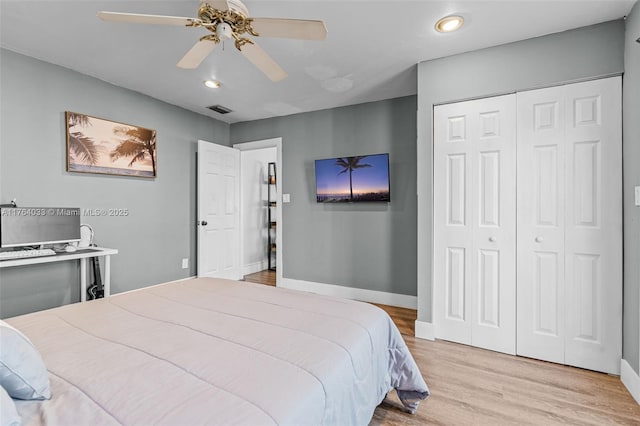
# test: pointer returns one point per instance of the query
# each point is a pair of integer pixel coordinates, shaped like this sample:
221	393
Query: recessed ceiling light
212	84
449	23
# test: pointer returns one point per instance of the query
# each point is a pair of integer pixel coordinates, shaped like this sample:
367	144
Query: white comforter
211	351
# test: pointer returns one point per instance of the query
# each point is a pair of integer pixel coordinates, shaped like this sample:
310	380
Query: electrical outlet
286	198
637	195
185	263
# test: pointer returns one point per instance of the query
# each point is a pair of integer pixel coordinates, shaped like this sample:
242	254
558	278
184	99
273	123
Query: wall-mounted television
353	179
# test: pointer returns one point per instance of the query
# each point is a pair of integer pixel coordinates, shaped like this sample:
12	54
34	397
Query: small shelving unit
272	204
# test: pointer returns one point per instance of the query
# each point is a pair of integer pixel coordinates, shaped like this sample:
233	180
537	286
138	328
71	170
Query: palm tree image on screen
353	179
350	164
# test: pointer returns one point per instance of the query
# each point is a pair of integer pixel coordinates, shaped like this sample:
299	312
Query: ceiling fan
228	19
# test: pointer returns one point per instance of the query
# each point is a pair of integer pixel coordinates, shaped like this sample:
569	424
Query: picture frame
100	146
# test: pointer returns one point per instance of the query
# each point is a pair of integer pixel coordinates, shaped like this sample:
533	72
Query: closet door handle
204	223
539	239
492	239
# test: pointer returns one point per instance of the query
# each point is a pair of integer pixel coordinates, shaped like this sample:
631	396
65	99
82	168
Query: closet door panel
474	223
540	224
594	225
493	213
452	223
570	224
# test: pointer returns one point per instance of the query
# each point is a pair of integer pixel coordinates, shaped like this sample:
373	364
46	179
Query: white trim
268	143
249	146
254	267
424	330
373	296
630	379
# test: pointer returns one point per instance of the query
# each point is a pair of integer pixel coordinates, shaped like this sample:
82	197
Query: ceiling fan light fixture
212	84
449	23
224	31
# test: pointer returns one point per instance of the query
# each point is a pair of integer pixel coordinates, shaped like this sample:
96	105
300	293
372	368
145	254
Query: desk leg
83	280
107	276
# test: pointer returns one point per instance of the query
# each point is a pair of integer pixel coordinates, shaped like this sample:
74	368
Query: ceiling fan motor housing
224	31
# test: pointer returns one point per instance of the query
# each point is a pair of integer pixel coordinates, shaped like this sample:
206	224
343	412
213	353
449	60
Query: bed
213	351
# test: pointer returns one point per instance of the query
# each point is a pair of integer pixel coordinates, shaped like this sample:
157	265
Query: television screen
31	226
353	179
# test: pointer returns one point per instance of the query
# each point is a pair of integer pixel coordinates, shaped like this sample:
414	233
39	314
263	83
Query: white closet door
474	217
453	230
541	163
570	224
493	197
593	239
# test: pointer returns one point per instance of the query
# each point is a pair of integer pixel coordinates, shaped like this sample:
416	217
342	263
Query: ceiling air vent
219	109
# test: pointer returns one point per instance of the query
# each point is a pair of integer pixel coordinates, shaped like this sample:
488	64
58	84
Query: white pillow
8	413
22	372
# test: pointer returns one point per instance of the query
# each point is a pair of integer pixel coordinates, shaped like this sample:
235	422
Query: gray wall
361	245
159	230
558	58
631	176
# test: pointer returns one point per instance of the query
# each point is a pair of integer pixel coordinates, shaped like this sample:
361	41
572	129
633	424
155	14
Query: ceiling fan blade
136	18
290	28
221	5
263	61
197	54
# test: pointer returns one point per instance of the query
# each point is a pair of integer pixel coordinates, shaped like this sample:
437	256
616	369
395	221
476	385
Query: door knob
203	223
492	239
539	239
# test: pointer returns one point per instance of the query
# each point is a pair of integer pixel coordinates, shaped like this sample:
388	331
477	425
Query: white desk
82	255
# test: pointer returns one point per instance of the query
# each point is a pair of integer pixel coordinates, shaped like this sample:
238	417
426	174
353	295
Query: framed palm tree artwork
96	145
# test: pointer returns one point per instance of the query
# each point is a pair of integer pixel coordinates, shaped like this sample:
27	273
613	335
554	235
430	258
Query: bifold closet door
474	222
570	224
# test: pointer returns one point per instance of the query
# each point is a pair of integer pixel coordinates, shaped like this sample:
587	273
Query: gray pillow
22	372
8	413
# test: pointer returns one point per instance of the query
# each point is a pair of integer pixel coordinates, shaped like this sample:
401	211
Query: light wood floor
263	277
471	386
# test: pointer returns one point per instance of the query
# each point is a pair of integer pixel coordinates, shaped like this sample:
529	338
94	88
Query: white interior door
453	229
593	239
541	216
570	224
218	211
474	222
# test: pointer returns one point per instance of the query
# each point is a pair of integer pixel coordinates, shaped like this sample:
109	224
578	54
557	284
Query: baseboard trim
373	296
630	379
252	268
424	330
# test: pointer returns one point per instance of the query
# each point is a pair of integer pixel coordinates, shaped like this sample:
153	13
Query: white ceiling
370	53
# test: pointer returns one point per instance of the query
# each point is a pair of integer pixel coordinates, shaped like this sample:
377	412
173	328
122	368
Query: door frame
256	145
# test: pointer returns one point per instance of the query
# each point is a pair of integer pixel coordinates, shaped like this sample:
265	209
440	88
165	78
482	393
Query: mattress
213	351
